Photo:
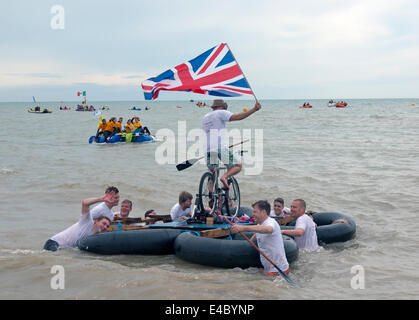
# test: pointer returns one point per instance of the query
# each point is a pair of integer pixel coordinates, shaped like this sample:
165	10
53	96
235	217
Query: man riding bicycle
213	125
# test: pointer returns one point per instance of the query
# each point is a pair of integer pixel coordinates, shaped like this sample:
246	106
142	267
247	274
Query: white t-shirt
272	244
213	125
101	210
79	230
177	211
309	239
286	212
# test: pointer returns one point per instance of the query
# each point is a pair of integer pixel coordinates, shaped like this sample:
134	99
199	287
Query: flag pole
242	72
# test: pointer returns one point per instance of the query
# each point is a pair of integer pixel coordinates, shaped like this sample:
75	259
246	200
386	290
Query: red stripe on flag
214	55
245	91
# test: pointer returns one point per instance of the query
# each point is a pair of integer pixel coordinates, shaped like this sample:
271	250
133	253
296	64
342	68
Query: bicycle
218	200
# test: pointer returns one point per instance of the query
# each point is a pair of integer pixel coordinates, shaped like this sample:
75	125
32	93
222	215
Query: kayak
138	109
341	105
307	106
41	111
124	137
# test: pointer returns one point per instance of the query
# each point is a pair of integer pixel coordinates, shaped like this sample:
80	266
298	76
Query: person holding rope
213	125
269	238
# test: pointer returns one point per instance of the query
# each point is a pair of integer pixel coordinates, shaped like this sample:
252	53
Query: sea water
361	161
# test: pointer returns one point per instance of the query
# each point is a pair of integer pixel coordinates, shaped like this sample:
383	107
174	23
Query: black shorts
51	245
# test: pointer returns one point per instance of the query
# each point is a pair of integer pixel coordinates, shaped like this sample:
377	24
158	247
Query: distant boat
341	105
39	111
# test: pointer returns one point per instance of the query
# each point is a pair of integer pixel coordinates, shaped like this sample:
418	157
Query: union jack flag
215	72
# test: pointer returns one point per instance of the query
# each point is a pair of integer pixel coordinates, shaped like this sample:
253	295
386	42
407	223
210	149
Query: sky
287	49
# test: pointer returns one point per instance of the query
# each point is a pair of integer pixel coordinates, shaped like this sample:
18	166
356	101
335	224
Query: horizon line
189	100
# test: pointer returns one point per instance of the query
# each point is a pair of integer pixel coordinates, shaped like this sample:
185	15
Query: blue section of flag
167	75
228	58
199	60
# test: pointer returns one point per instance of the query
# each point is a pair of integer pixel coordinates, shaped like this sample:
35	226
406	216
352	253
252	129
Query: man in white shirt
213	125
182	209
279	210
126	208
269	238
305	229
104	209
86	226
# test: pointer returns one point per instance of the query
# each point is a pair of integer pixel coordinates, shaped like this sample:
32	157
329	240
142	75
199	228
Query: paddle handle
283	274
239	143
231	146
254	246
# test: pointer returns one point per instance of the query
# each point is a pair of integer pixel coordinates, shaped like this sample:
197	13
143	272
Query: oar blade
186	164
288	279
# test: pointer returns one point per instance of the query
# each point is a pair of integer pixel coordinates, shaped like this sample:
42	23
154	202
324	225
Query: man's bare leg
230	172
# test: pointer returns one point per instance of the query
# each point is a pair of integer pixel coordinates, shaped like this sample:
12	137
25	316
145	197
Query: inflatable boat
329	229
144	242
125	137
229	252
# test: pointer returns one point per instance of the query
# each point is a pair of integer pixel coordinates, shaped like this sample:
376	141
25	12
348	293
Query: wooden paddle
191	162
283	274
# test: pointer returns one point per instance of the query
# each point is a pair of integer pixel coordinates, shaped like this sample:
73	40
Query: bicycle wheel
206	192
233	197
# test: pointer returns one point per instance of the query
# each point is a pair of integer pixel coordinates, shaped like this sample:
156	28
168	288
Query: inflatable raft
145	242
329	232
307	106
228	252
129	137
41	111
341	105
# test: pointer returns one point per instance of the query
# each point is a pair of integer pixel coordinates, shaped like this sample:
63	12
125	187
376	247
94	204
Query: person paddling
269	238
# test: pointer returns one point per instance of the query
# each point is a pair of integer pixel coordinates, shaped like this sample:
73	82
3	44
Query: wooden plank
215	233
153	218
283	221
115	227
128	220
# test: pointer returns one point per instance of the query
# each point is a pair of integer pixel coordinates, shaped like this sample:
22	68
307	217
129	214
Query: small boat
135	108
124	138
341	105
306	106
39	111
331	104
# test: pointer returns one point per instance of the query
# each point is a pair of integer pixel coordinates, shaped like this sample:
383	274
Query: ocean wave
24	252
5	171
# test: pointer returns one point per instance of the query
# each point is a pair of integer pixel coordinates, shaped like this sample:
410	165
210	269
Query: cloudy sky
287	49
